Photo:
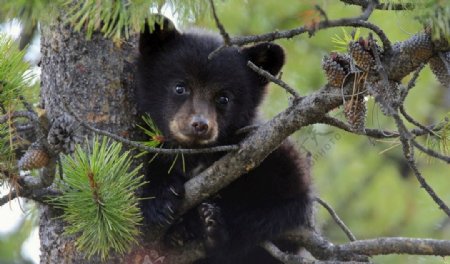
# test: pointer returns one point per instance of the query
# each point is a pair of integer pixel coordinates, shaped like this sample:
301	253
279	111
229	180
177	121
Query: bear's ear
268	56
154	37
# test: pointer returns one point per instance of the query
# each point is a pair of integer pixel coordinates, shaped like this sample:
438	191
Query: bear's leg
159	211
214	227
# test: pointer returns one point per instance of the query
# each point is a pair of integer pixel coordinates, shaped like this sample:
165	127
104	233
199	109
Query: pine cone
336	67
440	69
419	47
361	54
355	113
386	97
35	157
62	134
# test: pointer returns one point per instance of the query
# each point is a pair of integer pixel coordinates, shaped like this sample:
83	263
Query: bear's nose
199	125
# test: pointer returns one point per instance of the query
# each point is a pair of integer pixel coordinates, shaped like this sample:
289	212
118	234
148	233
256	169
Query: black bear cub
199	102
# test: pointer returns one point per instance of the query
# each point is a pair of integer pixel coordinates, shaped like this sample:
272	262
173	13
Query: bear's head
196	101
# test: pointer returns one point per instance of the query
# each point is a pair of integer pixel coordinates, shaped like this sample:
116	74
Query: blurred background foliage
366	181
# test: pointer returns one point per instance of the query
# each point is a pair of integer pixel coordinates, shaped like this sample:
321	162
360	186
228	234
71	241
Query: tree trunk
96	78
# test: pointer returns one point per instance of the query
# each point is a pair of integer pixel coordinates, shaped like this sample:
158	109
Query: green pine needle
341	43
99	201
440	141
151	130
15	74
117	18
15	79
156	139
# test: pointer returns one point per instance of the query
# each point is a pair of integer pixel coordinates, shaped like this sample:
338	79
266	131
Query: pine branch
273	79
381	6
414	122
359	250
99	187
223	32
359	21
146	148
17	114
337	219
408	152
431	152
281	256
374	133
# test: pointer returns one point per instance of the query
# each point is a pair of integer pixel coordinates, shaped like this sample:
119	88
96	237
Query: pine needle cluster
341	42
440	140
15	75
117	19
98	200
152	131
15	78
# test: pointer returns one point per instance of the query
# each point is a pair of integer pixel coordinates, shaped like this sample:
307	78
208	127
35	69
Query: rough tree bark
96	77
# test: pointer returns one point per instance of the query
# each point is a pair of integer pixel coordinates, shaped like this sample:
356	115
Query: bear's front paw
216	234
162	209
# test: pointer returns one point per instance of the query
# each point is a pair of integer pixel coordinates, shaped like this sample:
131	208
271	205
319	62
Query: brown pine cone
361	54
441	69
62	136
355	113
35	157
336	67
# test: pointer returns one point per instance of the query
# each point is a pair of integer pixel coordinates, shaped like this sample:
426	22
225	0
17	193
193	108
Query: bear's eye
180	89
223	100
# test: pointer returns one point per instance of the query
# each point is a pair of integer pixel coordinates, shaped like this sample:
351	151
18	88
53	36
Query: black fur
260	205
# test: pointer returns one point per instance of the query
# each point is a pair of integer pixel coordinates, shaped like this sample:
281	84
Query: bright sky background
10	218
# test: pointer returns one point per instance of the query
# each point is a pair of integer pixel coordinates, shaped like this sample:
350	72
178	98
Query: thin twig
368	10
381	6
273	79
27	105
23	127
216	51
411	83
408	152
281	256
430	152
336	218
286	34
420	132
223	32
374	133
414	122
287	258
380	69
17	114
322	12
150	149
